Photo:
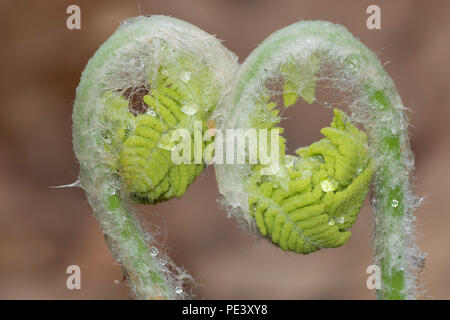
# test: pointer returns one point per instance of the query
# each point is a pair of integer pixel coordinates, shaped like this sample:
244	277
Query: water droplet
359	170
341	220
186	76
163	261
178	290
189	109
326	104
153	251
353	62
331	222
394	203
166	142
151	112
329	185
116	281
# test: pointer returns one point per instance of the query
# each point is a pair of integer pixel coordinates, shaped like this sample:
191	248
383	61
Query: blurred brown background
44	230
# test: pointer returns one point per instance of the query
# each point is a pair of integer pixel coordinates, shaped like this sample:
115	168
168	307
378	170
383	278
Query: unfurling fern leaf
309	202
301	206
325	188
312	199
123	139
145	163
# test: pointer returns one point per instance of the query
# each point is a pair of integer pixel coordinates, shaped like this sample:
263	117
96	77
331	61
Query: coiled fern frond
322	192
145	163
154	75
297	217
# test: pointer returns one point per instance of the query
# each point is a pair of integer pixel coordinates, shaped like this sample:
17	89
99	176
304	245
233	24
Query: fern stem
128	243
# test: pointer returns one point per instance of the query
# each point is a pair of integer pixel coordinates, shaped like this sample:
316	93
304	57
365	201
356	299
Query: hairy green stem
127	242
373	99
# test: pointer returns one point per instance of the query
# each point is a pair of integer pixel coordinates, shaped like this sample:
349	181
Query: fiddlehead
299	55
320	193
145	163
176	74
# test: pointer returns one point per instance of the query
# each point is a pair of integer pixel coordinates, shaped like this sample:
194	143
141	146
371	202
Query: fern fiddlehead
145	161
324	189
307	204
176	74
299	205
